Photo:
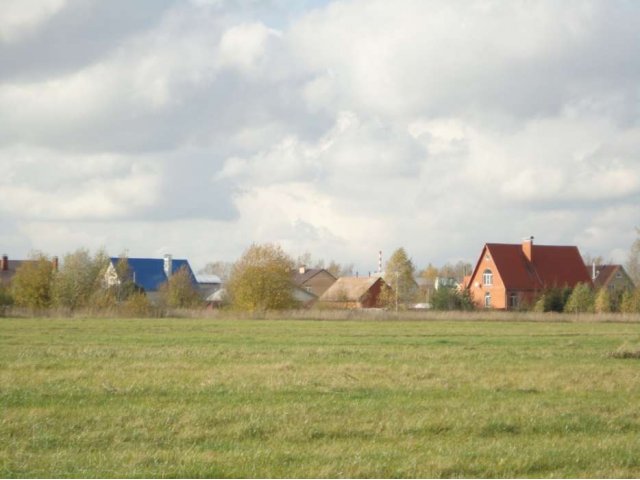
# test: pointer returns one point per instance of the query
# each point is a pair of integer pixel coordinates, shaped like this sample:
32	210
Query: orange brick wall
497	289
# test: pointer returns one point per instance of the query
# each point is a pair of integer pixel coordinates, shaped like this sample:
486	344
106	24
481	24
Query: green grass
279	398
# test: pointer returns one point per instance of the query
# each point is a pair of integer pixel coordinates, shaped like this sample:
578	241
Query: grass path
221	398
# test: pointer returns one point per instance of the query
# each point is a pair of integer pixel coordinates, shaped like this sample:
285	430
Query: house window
513	300
487	277
487	300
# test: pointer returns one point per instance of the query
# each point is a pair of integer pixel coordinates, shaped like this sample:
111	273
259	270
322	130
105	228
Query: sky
339	128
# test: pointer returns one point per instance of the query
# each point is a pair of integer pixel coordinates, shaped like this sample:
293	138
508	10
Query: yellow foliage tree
261	279
179	291
31	287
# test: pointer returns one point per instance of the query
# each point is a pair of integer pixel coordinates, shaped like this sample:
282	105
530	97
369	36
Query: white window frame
487	277
487	300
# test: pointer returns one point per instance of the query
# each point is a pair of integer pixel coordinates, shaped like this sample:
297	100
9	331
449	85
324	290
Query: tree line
80	284
260	280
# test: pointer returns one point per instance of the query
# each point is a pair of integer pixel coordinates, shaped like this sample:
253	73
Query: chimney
302	269
4	266
527	248
54	260
168	265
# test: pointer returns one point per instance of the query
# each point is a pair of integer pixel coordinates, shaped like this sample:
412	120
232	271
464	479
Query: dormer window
487	277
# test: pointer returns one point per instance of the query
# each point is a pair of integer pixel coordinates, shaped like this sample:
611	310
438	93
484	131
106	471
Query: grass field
251	398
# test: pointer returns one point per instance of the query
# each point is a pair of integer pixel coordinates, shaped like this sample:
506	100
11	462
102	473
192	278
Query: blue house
148	273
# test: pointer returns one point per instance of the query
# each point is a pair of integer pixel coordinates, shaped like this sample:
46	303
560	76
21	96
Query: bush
552	299
138	305
581	299
452	299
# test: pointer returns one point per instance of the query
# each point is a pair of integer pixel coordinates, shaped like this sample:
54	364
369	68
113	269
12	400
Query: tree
603	301
633	260
457	271
220	268
630	302
338	270
125	286
430	273
581	299
446	298
31	285
261	279
6	299
179	291
590	259
79	278
399	273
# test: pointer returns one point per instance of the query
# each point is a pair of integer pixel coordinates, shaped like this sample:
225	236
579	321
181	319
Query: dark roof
13	265
149	274
552	266
300	278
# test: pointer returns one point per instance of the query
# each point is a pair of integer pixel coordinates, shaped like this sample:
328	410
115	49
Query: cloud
21	17
435	58
338	128
41	184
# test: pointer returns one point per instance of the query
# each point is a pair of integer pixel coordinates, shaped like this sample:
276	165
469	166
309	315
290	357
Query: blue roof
149	274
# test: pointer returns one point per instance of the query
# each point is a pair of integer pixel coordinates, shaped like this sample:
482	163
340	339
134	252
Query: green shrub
552	299
451	299
581	299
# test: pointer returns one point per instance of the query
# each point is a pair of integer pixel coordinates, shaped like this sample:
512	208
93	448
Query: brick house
508	275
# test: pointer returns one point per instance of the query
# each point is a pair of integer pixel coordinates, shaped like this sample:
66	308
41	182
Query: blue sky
336	128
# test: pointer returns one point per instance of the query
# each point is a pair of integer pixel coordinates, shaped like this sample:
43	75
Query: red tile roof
551	266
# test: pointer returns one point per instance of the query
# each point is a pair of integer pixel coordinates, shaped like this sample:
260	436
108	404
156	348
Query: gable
311	275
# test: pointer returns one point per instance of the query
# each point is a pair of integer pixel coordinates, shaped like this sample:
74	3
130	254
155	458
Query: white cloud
244	46
21	17
358	126
40	184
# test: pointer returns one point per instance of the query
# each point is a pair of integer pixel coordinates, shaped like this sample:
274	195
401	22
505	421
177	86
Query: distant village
521	276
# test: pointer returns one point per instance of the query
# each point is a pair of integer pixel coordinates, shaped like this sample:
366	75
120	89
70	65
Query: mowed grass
247	398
